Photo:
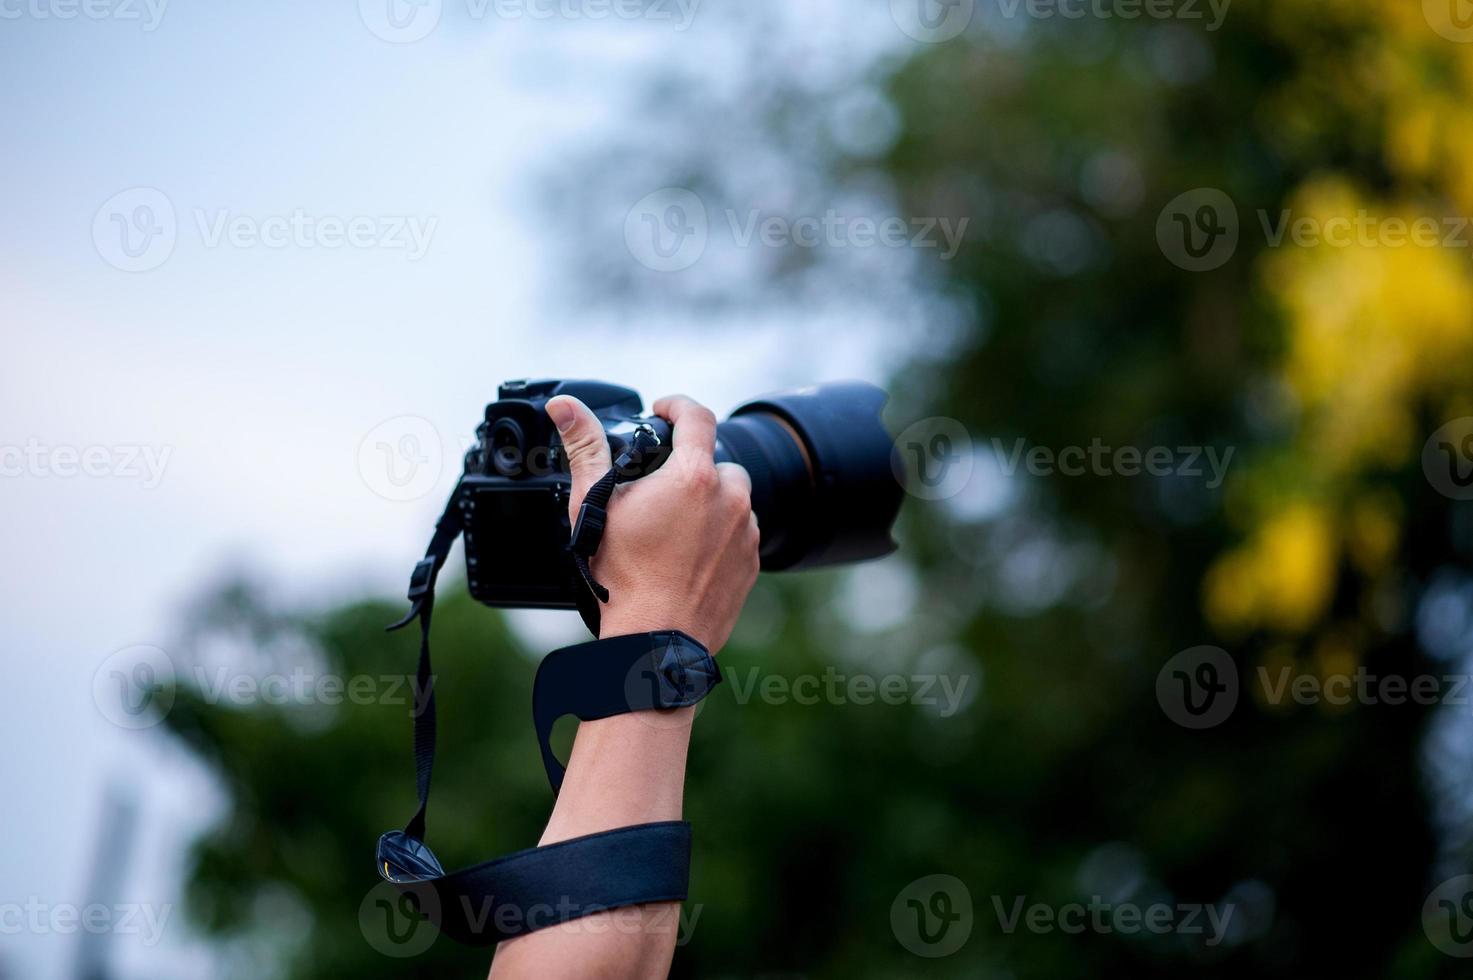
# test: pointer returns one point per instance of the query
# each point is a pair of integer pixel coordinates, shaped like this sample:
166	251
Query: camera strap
544	886
603	678
593	517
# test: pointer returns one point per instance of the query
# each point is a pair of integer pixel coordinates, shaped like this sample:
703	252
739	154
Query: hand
680	548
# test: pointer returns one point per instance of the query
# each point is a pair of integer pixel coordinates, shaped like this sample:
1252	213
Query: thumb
585	443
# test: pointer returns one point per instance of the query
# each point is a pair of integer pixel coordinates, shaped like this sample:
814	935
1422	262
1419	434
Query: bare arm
680	552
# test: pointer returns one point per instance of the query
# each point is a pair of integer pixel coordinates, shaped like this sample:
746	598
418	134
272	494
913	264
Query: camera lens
823	487
508	448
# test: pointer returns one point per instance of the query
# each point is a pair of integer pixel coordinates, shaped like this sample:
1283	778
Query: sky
259	259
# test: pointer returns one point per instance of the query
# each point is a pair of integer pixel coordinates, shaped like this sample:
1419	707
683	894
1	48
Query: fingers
585	443
734	496
693	425
735	481
734	491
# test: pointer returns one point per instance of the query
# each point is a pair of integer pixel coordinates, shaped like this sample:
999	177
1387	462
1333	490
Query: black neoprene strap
638	672
542	886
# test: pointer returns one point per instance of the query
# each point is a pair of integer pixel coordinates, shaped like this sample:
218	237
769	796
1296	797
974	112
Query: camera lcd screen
520	537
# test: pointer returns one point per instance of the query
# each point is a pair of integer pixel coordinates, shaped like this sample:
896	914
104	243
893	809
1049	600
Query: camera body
513	496
821	463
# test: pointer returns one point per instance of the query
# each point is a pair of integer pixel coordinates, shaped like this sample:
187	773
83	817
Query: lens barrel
823	485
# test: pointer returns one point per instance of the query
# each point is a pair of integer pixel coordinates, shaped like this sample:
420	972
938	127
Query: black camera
823	485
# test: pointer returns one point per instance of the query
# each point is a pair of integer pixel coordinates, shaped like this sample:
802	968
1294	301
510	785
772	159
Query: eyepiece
508	448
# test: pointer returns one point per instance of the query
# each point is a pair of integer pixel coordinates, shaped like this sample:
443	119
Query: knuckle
736	501
702	479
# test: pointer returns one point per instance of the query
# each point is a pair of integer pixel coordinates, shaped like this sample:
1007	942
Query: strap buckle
422	579
588	533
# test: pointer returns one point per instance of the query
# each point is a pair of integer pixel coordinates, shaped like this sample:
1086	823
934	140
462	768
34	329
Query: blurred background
1175	303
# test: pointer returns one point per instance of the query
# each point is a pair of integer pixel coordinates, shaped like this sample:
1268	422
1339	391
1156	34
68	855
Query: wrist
623	622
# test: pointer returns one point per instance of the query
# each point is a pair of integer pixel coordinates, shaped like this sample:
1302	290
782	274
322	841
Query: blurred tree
1061	321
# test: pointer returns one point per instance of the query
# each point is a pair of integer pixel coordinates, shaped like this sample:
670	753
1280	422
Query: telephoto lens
823	484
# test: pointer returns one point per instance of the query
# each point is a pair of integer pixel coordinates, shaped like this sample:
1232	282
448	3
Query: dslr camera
823	481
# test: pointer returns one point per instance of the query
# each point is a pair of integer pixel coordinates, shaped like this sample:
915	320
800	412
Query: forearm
624	770
679	552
